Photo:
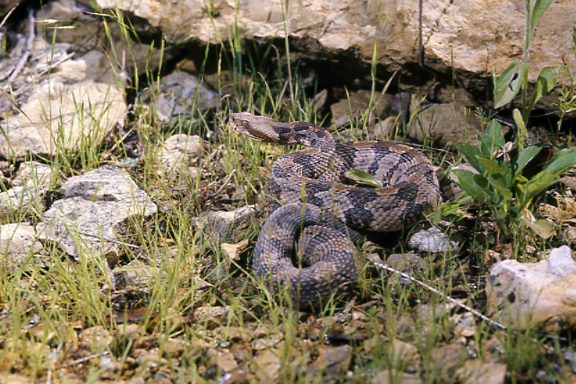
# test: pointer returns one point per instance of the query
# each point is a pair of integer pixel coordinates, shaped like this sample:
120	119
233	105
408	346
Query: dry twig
378	263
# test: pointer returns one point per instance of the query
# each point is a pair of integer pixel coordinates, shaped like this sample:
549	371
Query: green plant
498	180
515	78
499	183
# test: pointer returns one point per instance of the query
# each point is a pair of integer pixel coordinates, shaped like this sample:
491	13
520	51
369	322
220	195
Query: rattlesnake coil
311	184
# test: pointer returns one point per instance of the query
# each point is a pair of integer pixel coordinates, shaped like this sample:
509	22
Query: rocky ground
129	208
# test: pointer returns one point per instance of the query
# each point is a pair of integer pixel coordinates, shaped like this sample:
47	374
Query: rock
233	251
390	376
76	21
93	205
448	358
461	39
178	153
213	317
333	362
17	242
432	240
405	355
59	118
447	123
181	97
477	372
266	366
541	294
464	325
30	184
33	172
409	263
356	103
96	339
135	275
266	342
223	359
227	226
15	378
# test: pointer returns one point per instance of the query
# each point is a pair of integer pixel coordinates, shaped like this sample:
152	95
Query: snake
307	246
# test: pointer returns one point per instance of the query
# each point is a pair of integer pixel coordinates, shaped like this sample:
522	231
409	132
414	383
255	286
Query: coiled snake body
310	184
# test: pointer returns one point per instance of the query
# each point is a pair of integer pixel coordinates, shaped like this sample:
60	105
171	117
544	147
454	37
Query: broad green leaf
561	162
508	84
540	6
492	139
501	185
491	167
542	228
537	185
524	157
547	80
470	154
362	177
473	184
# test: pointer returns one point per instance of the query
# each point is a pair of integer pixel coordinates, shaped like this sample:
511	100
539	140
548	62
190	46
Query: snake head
258	128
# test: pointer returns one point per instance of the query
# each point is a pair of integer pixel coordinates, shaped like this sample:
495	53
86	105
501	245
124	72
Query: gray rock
541	294
29	186
179	153
17	242
458	37
135	275
448	123
59	117
181	97
94	204
227	226
432	240
88	35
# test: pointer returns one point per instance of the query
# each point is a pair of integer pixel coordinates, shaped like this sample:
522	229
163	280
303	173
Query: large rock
18	241
181	98
62	117
542	293
93	205
474	36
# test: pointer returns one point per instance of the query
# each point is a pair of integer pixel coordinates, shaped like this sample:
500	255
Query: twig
84	359
5	19
27	49
378	263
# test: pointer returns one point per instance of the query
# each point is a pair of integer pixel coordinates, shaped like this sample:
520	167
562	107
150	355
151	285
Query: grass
67	319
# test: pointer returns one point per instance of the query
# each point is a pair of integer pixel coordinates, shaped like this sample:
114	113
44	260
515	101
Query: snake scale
320	208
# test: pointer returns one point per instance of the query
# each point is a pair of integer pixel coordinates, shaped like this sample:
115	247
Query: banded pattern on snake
319	206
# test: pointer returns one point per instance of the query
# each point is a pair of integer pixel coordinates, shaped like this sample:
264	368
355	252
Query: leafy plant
515	78
499	183
498	179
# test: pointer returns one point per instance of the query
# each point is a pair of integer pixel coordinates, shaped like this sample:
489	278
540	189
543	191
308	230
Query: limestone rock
76	22
332	361
463	37
29	186
135	275
60	117
542	293
93	205
432	240
181	97
477	372
227	226
178	153
448	123
17	242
